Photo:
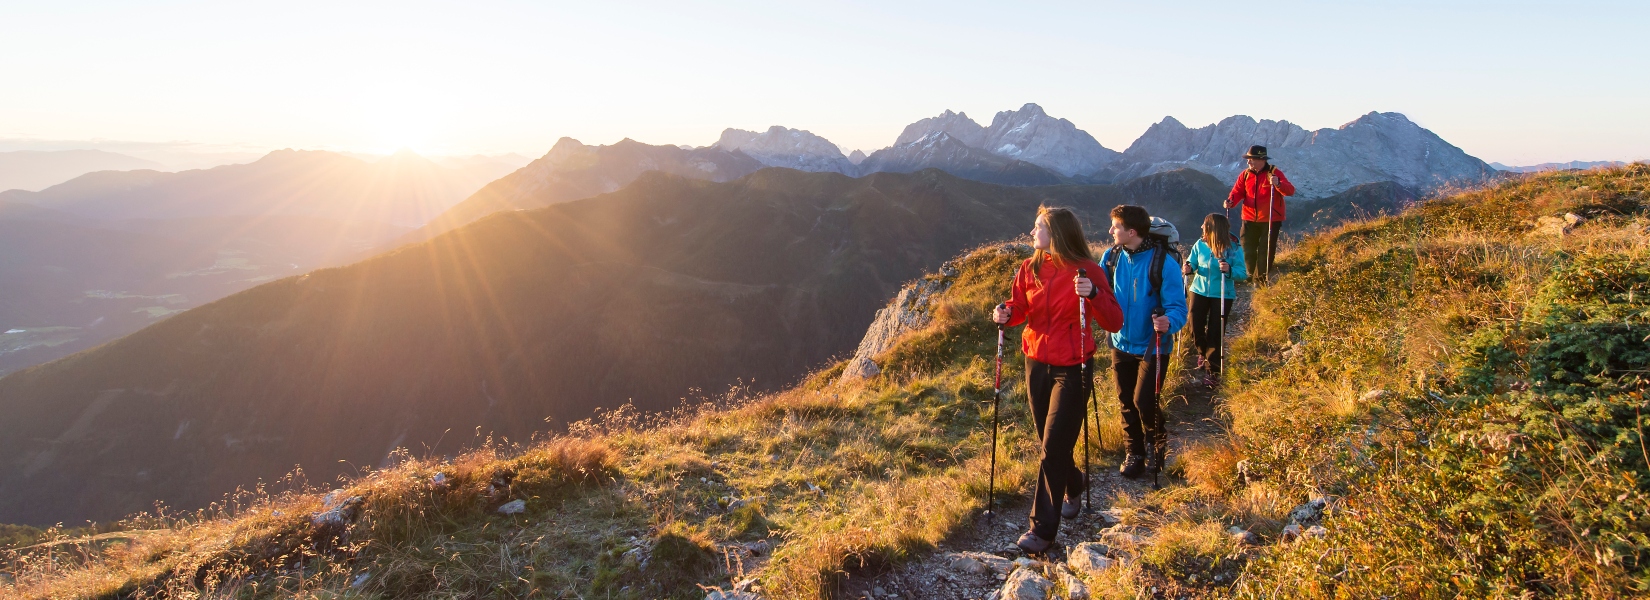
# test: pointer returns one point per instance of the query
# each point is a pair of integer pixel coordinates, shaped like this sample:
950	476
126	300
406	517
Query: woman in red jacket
1059	349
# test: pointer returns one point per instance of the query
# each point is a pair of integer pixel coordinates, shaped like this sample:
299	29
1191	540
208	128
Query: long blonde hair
1217	233
1065	234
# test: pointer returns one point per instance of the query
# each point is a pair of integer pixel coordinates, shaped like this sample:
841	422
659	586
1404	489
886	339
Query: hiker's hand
1225	267
1001	314
1188	269
1160	323
1084	286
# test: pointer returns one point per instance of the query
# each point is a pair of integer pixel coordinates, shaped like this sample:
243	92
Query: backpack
1164	238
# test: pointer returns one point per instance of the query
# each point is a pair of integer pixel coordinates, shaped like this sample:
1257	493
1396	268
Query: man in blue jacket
1154	309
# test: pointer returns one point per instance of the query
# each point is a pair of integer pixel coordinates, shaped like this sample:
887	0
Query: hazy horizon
504	78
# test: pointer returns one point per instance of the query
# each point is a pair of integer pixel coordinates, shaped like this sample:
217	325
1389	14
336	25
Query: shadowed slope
668	285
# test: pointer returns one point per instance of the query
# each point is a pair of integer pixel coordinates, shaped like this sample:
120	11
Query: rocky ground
963	567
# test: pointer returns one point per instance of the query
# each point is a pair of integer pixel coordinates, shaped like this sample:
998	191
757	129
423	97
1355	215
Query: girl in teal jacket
1215	265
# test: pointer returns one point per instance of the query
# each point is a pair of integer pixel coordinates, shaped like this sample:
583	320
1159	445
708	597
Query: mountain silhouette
573	171
36	169
110	252
642	295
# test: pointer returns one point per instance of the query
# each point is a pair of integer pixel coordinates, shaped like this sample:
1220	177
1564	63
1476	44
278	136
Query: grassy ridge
1467	381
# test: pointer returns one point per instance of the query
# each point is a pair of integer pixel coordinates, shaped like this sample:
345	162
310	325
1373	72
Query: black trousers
1138	378
1260	247
1208	326
1059	405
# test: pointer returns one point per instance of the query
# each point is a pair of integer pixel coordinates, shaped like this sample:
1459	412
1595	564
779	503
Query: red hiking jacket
1254	191
1047	303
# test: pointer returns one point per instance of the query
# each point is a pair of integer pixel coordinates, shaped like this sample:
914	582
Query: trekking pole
1271	214
1082	338
1157	380
996	399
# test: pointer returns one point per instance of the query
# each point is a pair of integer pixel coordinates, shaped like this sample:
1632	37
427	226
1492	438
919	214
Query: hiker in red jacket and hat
1260	189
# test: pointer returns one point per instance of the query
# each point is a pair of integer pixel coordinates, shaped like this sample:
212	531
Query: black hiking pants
1208	326
1260	247
1138	378
1059	405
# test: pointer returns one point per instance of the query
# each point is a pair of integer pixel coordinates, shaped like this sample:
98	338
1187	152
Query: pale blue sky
1515	82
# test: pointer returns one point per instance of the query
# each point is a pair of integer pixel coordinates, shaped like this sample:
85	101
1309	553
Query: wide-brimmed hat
1256	152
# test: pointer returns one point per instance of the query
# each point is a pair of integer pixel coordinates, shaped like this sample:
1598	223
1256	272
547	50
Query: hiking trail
1189	406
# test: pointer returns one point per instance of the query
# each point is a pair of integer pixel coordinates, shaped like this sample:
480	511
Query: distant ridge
35	170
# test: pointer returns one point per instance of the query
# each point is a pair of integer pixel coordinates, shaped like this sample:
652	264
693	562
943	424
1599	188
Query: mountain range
110	252
1021	147
1373	148
667	285
1559	166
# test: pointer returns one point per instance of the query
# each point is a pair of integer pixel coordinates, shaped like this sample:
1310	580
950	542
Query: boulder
513	507
1243	537
1026	584
1089	558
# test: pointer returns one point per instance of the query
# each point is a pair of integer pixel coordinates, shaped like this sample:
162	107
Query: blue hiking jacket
1206	276
1132	286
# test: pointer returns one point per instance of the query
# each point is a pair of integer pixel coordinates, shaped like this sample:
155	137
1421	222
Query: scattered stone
1309	513
1111	516
1025	562
337	511
759	547
1089	558
1075	589
879	591
979	563
1291	531
1316	531
513	507
1026	584
743	502
1373	396
1120	535
1243	537
360	580
439	480
1558	226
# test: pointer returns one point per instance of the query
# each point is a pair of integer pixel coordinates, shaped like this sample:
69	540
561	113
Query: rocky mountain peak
1029	134
790	148
858	156
957	125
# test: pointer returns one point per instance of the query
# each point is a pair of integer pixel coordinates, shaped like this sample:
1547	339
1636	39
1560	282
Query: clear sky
1514	82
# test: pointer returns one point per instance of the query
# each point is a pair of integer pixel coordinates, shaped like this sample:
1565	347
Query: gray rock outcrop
907	312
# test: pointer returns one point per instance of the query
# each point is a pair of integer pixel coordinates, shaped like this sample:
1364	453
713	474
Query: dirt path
1189	414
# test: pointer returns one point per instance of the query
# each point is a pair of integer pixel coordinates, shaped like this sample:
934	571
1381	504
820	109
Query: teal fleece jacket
1132	286
1206	270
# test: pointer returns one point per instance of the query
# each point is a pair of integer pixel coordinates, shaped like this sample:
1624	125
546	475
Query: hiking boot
1133	465
1070	508
1033	544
